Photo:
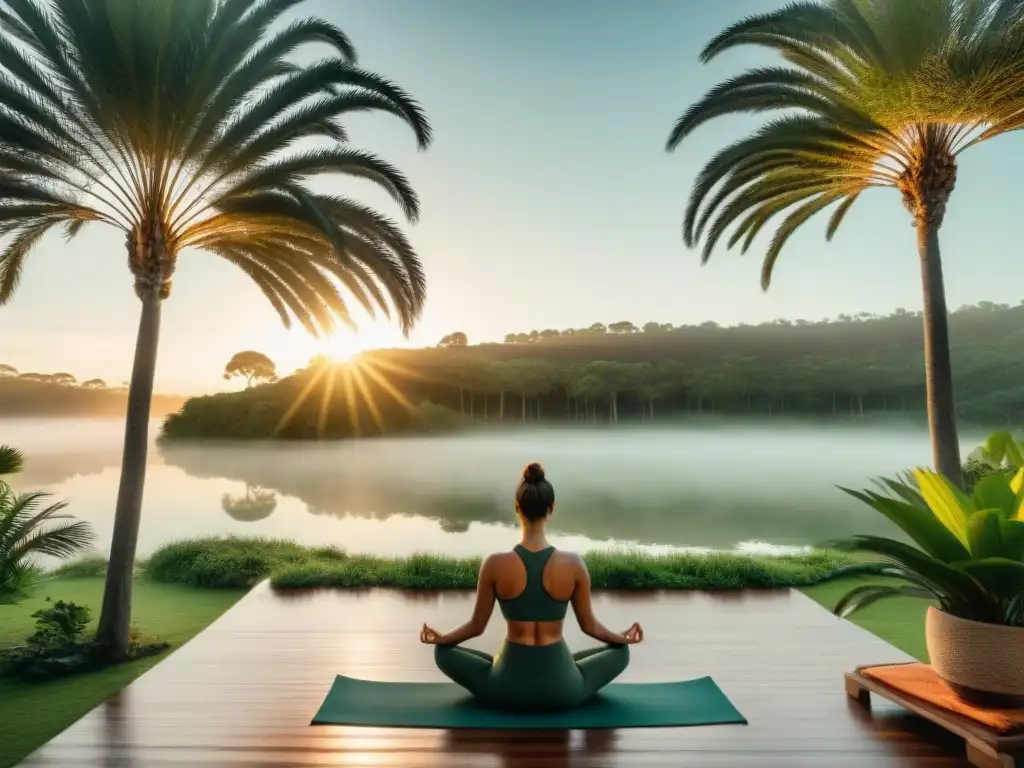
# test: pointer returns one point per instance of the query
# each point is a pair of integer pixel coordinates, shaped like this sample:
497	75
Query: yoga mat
446	705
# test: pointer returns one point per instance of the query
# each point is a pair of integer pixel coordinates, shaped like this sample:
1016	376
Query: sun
292	349
340	347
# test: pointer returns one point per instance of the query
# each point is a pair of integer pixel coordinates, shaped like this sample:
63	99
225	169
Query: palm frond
871	90
12	460
28	528
861	597
204	124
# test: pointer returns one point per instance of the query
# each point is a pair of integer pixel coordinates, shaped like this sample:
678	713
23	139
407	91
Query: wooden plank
984	748
242	693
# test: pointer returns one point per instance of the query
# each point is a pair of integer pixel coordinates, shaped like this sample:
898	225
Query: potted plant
969	559
1000	453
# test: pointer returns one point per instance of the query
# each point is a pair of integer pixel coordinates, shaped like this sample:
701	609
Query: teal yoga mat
446	705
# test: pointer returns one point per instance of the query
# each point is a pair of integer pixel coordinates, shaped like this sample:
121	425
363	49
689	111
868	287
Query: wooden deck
242	693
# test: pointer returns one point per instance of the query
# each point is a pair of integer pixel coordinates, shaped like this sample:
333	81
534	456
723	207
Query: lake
717	485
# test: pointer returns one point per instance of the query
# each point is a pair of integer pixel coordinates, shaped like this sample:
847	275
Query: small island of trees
851	367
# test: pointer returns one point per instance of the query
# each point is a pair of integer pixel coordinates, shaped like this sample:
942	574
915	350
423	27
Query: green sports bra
533	603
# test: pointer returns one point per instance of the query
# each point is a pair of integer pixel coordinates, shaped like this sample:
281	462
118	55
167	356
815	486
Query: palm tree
11	460
22	534
886	94
192	126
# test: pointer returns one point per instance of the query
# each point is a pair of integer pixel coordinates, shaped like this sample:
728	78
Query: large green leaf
919	524
1017	486
996	445
861	597
1012	532
941	578
994	492
1001	576
905	491
1017	483
1014	453
985	535
947	503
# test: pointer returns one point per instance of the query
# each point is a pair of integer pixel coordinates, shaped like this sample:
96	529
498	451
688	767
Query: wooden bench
986	748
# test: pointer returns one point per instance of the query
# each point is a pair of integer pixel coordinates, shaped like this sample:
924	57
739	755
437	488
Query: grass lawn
897	620
33	713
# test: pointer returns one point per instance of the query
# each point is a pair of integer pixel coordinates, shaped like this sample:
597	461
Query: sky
548	200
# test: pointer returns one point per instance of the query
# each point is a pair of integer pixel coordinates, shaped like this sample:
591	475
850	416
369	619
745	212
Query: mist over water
712	485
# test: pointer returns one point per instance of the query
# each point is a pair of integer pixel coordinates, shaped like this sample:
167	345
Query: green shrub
228	561
59	645
636	570
415	572
86	567
609	570
243	562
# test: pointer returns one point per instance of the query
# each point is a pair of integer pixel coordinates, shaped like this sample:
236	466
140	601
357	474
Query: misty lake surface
714	486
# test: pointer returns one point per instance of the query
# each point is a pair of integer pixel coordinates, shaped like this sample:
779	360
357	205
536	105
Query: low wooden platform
242	693
984	747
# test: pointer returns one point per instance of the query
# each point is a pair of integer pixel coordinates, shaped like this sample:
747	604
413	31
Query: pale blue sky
548	201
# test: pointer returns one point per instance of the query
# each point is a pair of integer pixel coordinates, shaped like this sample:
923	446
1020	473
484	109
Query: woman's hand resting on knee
634	635
430	636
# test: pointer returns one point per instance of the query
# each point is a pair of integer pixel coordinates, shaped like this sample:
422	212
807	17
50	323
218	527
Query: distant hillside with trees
29	395
851	367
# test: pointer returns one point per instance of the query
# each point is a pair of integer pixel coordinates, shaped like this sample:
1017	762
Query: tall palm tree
883	93
191	125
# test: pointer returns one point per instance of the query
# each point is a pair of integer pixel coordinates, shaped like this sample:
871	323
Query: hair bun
534	473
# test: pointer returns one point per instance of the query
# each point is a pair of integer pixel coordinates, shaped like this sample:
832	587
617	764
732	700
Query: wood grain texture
242	693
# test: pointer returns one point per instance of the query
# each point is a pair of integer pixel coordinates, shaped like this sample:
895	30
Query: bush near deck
243	562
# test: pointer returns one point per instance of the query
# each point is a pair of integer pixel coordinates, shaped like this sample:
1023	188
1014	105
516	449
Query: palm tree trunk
115	617
938	366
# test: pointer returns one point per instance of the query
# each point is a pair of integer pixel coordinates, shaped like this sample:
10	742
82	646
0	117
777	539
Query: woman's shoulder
566	556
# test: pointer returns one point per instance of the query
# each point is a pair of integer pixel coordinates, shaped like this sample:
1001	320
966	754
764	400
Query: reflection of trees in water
643	511
43	470
257	504
455	526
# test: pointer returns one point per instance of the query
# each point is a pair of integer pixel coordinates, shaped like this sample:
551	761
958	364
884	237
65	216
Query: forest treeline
850	368
60	395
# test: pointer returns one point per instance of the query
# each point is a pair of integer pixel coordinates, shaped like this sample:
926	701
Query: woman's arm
584	610
485	596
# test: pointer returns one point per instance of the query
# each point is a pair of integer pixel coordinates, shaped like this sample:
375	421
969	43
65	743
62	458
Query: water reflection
723	488
558	748
650	497
256	504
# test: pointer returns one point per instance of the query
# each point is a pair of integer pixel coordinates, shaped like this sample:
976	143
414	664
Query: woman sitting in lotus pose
534	585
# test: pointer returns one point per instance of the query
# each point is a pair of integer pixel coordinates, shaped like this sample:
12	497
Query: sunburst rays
357	384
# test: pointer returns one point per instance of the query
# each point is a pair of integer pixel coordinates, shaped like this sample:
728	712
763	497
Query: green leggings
532	677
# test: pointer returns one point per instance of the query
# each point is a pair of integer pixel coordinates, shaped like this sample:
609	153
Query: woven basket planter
982	663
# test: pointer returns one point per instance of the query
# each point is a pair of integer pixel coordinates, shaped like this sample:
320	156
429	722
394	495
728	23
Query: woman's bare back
561	580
